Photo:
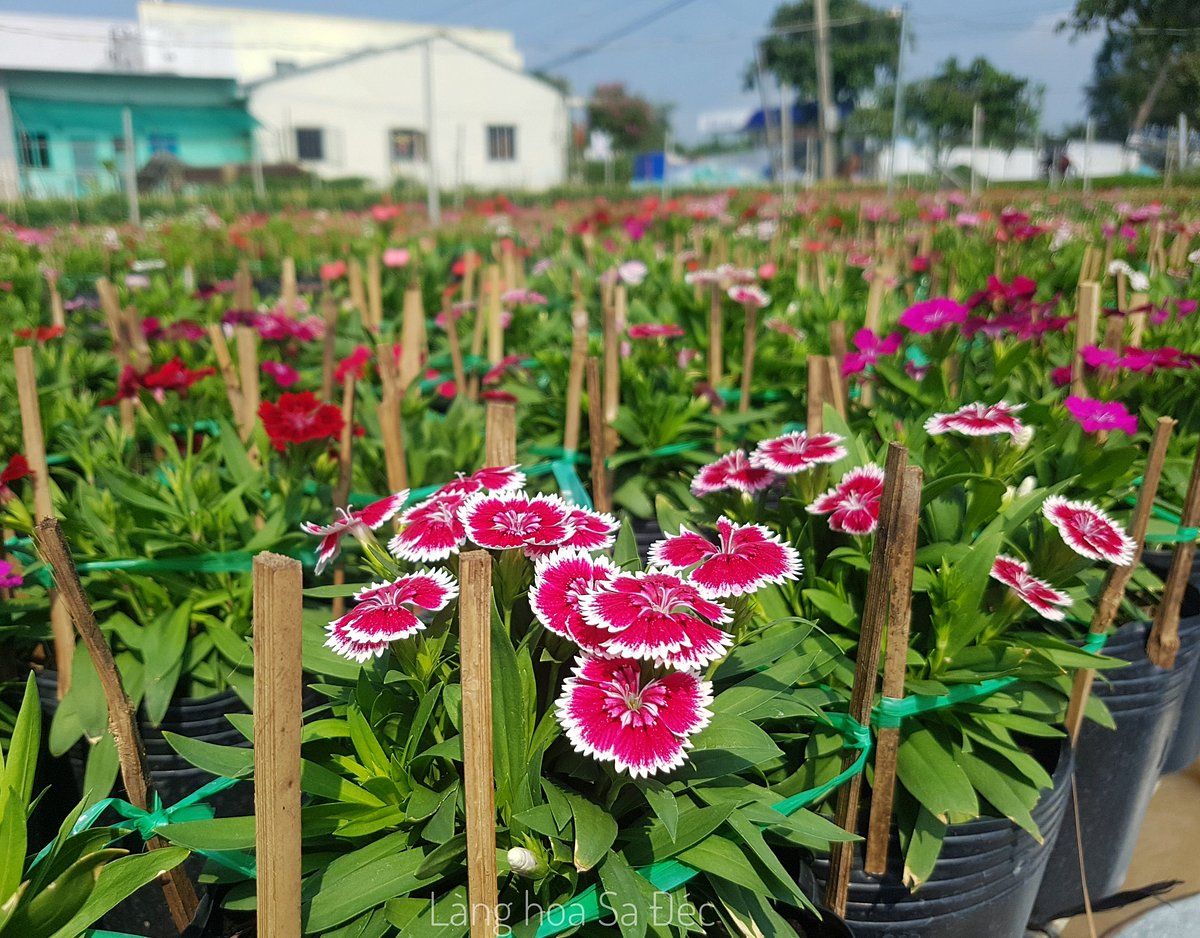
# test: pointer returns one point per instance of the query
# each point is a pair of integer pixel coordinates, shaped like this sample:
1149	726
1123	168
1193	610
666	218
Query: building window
310	143
34	151
408	146
164	143
502	142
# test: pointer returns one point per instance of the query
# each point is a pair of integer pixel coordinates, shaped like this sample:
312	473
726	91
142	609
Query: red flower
42	333
334	270
357	523
560	582
853	504
1013	573
1089	531
355	363
17	468
383	613
299	418
978	419
655	330
173	376
798	452
731	471
747	558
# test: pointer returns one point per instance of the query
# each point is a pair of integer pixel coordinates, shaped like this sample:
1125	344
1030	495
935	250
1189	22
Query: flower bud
525	862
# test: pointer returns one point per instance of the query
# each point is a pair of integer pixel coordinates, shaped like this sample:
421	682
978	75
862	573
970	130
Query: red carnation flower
299	418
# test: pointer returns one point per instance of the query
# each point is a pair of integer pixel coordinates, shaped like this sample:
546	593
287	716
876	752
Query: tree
633	122
943	104
1149	65
862	49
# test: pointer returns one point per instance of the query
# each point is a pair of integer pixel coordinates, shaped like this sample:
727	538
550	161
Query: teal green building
62	133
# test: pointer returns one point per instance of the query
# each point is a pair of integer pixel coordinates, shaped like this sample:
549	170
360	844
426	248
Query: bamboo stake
374	311
479	796
34	442
716	326
233	387
329	313
495	329
278	582
1137	317
392	431
579	342
838	350
835	386
887	740
862	693
243	287
247	348
341	492
612	370
1117	579
411	325
287	285
1164	636
598	439
358	296
456	356
58	315
749	350
500	434
1087	311
818	375
122	716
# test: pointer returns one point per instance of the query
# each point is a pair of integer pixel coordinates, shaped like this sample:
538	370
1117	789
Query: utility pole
898	102
433	195
827	114
1088	140
787	138
976	134
1183	141
131	192
760	69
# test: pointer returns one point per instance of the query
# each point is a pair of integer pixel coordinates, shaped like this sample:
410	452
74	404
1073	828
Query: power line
597	44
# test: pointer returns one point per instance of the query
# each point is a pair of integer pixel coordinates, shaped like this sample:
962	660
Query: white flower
523	862
1021	439
1194	257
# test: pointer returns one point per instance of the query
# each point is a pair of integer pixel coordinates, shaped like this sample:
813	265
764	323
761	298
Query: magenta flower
731	471
283	375
1089	531
750	297
1040	595
561	580
431	530
494	479
660	617
383	613
870	349
395	257
1096	357
852	504
509	521
356	523
655	330
612	712
933	315
523	297
9	577
978	419
746	558
1101	416
798	452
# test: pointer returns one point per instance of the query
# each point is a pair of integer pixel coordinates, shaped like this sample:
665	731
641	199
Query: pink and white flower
384	613
632	273
1040	595
746	558
853	504
643	724
508	521
750	297
495	479
356	523
560	581
732	471
660	617
430	531
1089	531
798	452
592	530
978	419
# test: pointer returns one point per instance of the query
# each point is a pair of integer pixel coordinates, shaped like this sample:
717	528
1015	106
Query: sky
694	57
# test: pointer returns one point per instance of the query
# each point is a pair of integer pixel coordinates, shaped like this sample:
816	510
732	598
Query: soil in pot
983	886
1117	770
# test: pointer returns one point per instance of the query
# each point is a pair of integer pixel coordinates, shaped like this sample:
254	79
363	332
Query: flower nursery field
720	565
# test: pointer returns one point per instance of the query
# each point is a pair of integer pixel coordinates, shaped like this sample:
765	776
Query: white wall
67	43
1021	163
194	39
359	101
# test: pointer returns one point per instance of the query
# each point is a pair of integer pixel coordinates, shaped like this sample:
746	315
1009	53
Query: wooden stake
579	343
749	350
233	386
887	741
122	716
58	315
341	495
247	348
1137	317
612	368
34	442
329	313
835	386
278	582
1087	312
411	328
598	439
374	311
358	296
716	326
862	694
479	796
287	286
243	287
500	434
838	350
491	300
818	375
1164	636
392	430
456	356
1118	578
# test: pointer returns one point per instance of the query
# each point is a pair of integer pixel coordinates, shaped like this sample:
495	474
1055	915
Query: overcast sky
694	57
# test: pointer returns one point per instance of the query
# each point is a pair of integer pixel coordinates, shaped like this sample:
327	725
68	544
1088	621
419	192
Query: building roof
371	51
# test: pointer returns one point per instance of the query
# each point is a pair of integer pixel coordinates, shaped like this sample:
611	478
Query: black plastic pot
1185	747
983	884
646	531
1117	771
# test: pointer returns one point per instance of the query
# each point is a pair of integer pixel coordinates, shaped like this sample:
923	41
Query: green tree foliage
942	104
1148	69
633	122
862	50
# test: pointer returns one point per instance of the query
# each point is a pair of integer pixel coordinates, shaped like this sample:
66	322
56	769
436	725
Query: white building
368	114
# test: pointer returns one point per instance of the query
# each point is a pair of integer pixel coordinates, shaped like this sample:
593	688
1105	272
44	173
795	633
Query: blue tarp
804	114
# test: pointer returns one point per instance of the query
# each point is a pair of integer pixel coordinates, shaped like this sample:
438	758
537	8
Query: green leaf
449	917
625	552
721	857
654	843
509	719
20	762
12	841
924	847
163	644
212	835
664	805
926	765
595	831
224	761
58	901
624	897
1012	797
670	518
339	899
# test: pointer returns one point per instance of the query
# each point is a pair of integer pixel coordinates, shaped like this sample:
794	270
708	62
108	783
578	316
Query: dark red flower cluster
172	376
299	418
17	468
1010	308
183	330
41	333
